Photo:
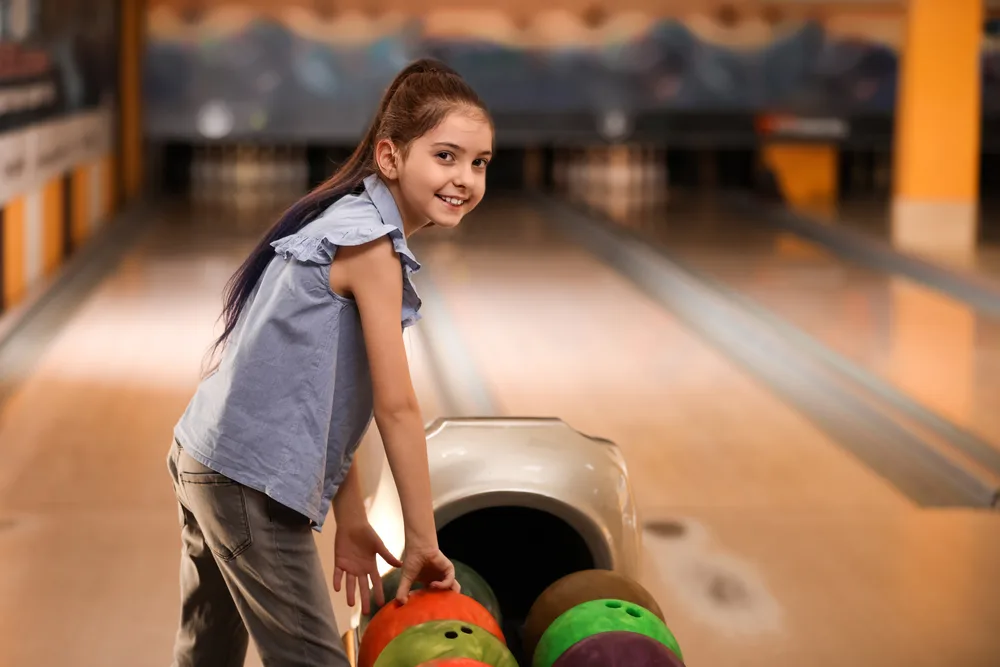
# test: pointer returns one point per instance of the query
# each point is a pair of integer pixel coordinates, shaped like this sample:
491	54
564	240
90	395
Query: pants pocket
219	505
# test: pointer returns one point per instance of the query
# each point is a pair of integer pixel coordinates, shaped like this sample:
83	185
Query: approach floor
766	543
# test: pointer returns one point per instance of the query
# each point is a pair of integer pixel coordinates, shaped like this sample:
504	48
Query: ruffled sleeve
320	247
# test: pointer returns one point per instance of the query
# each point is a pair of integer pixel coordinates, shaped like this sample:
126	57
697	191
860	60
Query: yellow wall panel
14	280
80	223
52	217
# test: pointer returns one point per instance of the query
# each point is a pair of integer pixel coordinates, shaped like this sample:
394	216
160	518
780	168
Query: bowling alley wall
233	89
794	97
555	71
58	79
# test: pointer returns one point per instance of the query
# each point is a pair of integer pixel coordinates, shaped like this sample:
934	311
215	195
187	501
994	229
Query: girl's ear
386	159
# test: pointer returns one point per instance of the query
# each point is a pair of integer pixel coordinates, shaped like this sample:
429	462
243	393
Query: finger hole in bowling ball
451	634
466	630
632	611
613	605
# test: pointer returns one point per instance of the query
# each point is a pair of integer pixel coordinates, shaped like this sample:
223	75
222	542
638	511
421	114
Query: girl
312	349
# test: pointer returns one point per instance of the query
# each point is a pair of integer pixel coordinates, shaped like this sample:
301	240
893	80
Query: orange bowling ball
422	606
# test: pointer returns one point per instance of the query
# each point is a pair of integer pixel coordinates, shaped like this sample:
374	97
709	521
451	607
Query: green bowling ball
473	585
422	643
596	616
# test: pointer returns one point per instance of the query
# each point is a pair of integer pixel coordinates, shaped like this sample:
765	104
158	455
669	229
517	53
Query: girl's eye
479	162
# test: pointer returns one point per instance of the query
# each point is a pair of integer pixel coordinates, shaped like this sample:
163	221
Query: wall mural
294	72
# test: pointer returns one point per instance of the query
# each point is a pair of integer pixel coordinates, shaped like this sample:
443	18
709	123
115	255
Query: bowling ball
454	662
618	649
577	588
434	640
472	583
596	616
423	606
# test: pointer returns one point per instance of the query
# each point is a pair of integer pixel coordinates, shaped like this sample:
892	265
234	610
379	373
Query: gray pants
249	568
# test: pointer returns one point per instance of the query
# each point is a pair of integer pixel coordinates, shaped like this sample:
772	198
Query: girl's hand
428	566
355	548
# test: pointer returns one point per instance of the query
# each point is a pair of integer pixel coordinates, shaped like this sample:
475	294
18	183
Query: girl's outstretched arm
372	274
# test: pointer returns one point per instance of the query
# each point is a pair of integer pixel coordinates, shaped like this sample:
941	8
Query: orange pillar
937	139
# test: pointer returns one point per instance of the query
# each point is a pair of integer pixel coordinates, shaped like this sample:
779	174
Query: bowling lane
933	348
764	543
89	540
554	332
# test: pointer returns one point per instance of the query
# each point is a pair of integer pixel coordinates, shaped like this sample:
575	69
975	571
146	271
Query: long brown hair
416	101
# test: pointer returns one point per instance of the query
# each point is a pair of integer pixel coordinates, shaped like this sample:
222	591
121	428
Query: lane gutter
461	385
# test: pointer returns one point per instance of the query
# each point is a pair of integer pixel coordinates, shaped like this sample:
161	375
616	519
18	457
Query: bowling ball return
526	501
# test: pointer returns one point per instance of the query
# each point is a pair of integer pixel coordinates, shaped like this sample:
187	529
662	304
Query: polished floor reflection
765	543
873	217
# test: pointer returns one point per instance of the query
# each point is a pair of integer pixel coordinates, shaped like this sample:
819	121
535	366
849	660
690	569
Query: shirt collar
384	202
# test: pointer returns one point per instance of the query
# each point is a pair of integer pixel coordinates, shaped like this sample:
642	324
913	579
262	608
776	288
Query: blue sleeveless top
292	397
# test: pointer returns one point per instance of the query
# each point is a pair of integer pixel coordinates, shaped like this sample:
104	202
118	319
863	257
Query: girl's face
443	175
